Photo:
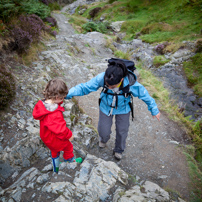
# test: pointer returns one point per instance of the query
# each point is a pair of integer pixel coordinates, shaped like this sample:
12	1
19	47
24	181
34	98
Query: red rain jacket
53	130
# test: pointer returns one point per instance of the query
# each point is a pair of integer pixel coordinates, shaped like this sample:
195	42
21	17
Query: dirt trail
152	150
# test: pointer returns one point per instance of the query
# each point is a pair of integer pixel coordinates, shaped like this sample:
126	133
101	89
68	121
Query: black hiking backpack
130	65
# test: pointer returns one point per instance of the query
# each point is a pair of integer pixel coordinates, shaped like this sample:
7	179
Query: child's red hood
40	111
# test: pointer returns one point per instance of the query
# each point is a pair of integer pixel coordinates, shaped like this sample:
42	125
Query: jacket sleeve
85	88
57	125
140	91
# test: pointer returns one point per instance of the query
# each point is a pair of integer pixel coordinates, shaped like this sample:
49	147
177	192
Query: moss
7	86
122	193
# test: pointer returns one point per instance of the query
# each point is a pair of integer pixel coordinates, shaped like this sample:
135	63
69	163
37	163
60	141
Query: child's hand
71	138
157	116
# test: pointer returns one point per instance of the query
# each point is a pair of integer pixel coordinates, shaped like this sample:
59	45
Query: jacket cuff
154	112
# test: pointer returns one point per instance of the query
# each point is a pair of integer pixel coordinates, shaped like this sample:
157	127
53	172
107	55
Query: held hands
157	116
71	138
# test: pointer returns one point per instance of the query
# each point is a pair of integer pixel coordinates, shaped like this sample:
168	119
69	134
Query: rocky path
153	148
154	152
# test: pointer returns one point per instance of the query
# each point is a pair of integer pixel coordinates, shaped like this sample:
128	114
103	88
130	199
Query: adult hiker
118	84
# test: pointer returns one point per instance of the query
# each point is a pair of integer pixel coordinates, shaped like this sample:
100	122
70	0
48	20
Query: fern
8	9
38	8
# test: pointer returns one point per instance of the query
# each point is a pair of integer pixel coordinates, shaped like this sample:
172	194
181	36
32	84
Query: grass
196	176
193	71
159	61
123	55
142	16
77	22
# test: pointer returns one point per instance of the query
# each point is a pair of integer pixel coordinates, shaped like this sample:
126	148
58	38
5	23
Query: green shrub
96	26
7	87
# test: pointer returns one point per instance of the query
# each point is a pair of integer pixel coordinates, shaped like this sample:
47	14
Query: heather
7	86
26	22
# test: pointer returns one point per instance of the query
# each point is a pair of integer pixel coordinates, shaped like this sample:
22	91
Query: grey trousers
122	126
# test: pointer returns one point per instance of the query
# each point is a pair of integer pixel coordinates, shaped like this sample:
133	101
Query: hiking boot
102	145
118	156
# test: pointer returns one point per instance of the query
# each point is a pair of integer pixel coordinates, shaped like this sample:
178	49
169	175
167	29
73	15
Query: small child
53	130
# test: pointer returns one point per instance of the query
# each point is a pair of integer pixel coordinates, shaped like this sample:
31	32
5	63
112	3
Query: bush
28	30
7	87
22	40
160	48
33	25
198	46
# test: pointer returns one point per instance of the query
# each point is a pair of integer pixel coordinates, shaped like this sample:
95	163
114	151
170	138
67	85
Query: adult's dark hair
55	88
115	72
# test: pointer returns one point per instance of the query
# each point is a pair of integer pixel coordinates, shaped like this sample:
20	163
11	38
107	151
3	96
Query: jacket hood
132	78
40	111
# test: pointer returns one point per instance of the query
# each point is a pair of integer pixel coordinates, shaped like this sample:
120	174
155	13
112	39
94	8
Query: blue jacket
136	89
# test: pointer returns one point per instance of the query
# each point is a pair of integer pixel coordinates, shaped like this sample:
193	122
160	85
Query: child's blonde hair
56	88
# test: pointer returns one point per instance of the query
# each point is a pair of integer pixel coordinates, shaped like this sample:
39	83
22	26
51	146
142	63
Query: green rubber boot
78	160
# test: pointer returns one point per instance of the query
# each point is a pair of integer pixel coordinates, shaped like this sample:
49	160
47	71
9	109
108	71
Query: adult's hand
157	116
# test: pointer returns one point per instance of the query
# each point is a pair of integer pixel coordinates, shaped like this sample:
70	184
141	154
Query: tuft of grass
196	176
123	55
173	47
159	61
77	22
193	71
109	44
